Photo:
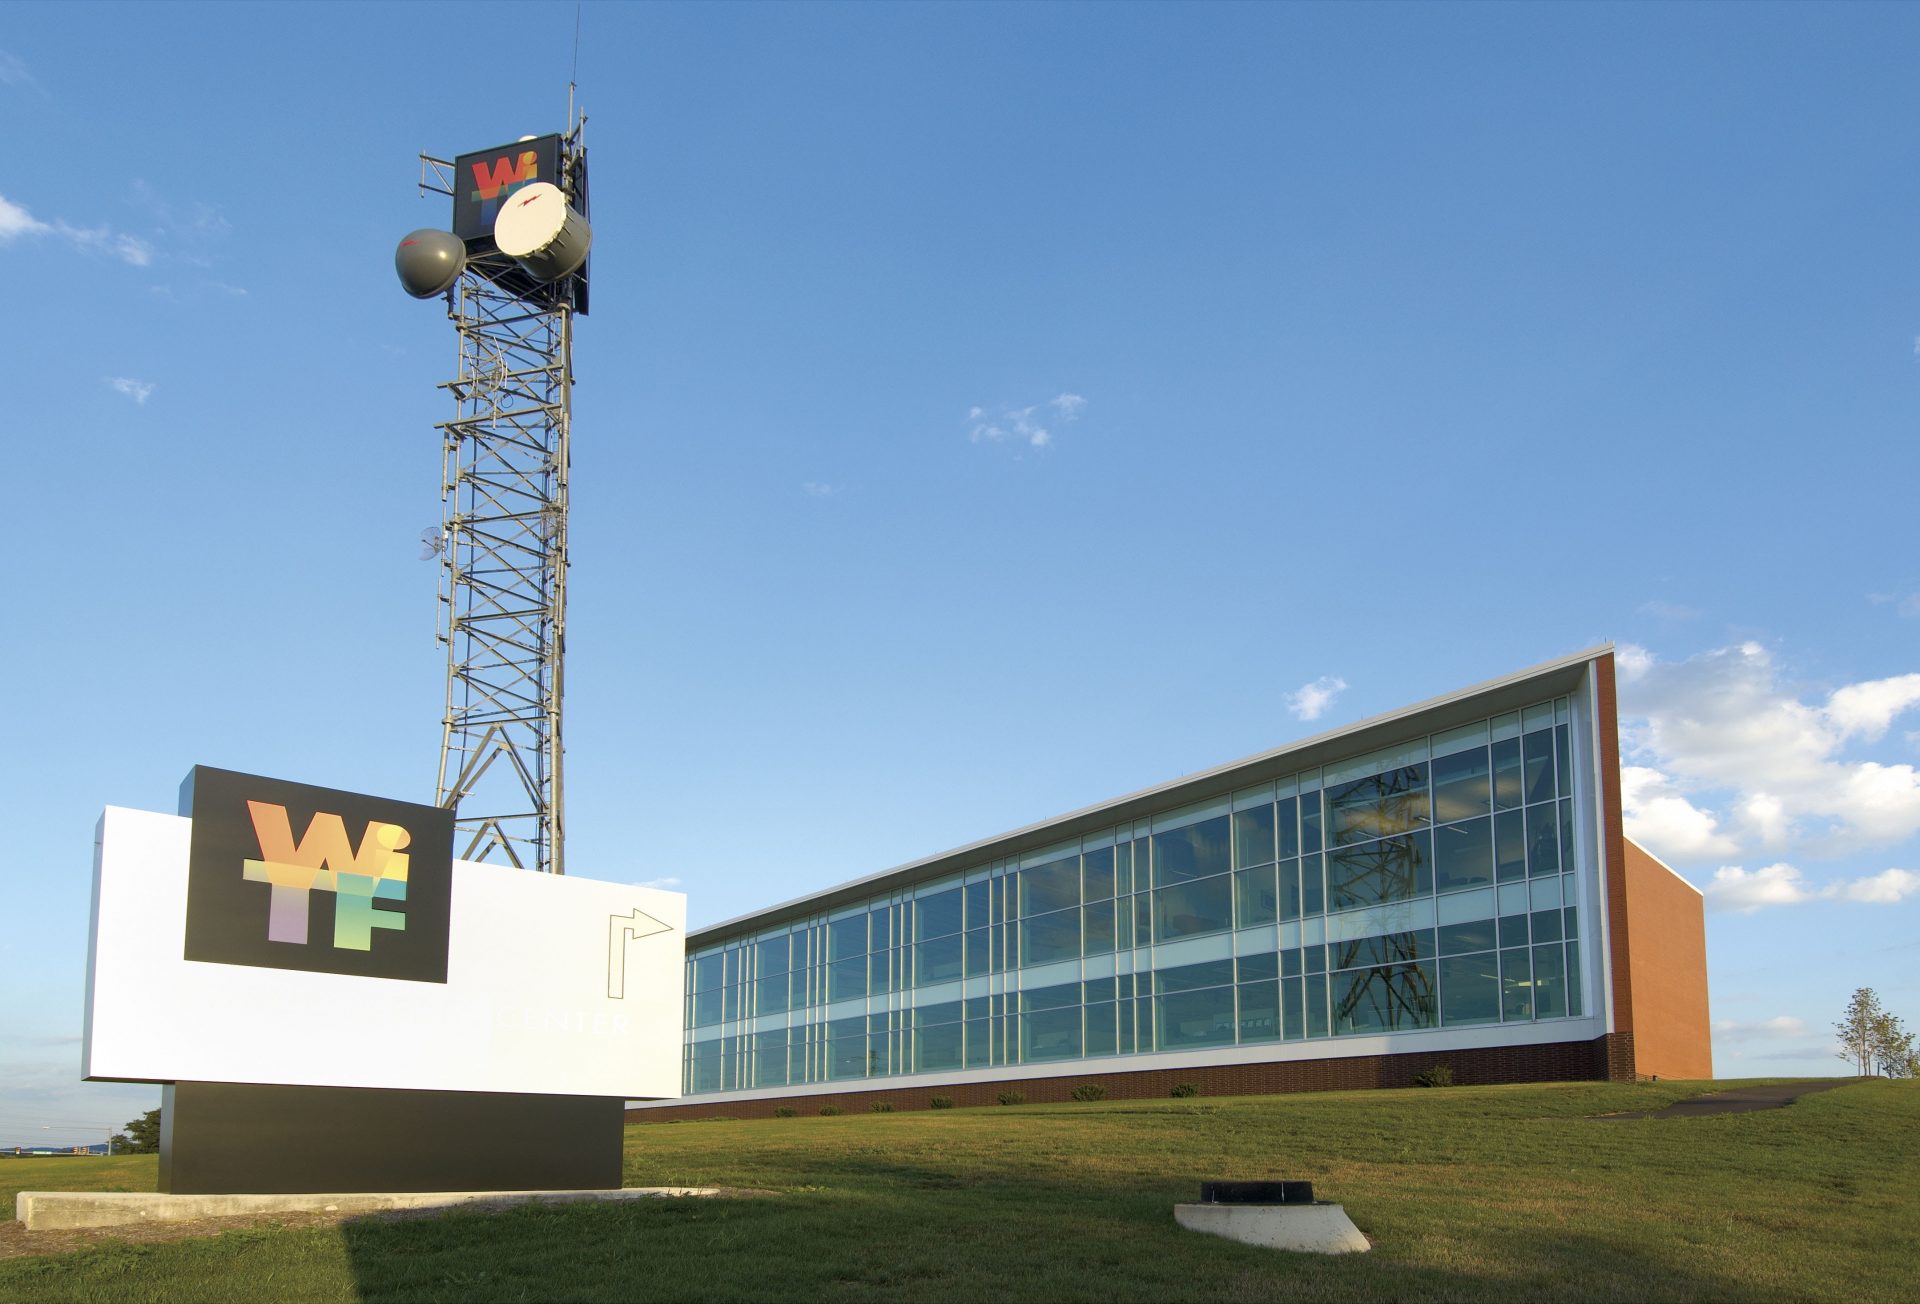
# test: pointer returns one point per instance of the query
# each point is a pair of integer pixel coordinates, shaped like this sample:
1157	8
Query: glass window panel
1292	1009
926	1016
1097	873
880	973
1566	835
1192	852
1316	1005
847	978
1309	822
879	1059
1047	938
1313	885
1538	749
1385	999
1549	982
706	1008
937	915
940	960
1253	968
1142	918
979	954
1260	1011
731	997
1288	900
1199	1018
706	1066
707	972
979	1043
1516	986
1507	788
1378	805
1123	924
1288	824
1546	925
847	1057
1563	759
1463	855
1573	978
1050	1034
1097	924
1253	836
1254	896
1212	973
770	957
1387	948
1123	869
797	988
939	1047
770	995
1102	1037
1052	886
1290	963
1572	923
1543	840
1513	930
770	1058
1098	989
1143	1023
1391	869
847	937
1315	957
1470	988
977	904
1462	785
1478	935
1191	908
1047	998
1510	845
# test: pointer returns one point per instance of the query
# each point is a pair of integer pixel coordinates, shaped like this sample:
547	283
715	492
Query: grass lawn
1482	1193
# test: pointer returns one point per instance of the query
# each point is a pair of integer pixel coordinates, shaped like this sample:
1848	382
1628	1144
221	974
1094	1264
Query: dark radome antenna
514	271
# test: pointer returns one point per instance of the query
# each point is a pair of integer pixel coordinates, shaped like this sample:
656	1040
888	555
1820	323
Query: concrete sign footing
1308	1228
42	1211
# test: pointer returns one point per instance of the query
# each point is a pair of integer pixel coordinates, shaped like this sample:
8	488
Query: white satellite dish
539	231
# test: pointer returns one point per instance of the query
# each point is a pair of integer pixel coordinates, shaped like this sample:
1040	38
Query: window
1052	886
1470	989
1198	1018
1195	851
1047	938
1462	785
1463	855
1378	805
1191	908
1385	999
1255	900
937	915
938	961
1253	836
1391	869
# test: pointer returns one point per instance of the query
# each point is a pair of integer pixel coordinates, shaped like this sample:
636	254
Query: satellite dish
429	262
539	231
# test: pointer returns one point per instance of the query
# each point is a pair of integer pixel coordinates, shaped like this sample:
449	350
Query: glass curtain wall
1419	886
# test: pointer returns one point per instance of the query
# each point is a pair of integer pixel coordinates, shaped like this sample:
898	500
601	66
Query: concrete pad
1307	1228
44	1211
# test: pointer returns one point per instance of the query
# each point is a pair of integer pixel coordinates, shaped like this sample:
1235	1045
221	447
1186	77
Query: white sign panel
553	985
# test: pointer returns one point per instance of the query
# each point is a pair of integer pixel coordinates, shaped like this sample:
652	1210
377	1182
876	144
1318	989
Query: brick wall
1672	1035
1603	1058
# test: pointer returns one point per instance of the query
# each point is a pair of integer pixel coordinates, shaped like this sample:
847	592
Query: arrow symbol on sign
622	929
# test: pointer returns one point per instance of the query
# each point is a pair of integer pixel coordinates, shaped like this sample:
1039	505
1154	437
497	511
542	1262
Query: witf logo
364	889
325	861
495	179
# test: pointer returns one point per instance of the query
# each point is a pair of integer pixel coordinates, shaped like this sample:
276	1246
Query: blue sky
1391	348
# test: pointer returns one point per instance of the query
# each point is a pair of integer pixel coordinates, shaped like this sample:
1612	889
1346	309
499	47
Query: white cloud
1310	701
137	390
1019	425
1781	1025
1658	817
1669	610
16	221
14	71
665	884
1745	891
818	489
1722	730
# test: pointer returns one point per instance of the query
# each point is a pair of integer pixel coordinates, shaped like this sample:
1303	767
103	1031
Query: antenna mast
504	494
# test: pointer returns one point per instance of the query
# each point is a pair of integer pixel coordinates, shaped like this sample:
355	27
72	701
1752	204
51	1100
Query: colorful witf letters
325	861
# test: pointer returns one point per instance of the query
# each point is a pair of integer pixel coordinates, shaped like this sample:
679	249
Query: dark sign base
228	1138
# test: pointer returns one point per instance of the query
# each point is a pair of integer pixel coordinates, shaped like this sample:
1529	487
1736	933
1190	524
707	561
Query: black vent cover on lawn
1256	1193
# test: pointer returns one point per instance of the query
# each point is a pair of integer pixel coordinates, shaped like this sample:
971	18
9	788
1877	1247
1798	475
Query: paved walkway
1740	1100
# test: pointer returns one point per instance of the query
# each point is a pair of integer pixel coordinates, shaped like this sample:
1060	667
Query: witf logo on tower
481	181
364	888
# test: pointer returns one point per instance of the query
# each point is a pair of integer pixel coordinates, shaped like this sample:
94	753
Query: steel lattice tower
503	589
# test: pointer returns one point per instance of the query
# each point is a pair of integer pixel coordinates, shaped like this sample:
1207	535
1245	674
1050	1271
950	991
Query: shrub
1012	1097
1183	1090
1440	1075
941	1102
1089	1091
784	1111
829	1110
881	1107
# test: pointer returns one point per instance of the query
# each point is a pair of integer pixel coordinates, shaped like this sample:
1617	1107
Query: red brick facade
1603	1058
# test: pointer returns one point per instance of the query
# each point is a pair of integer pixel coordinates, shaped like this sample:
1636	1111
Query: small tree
142	1136
1893	1047
1856	1029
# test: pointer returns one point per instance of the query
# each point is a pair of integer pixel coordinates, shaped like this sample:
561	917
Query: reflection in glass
938	961
1259	1011
1191	852
1549	982
1470	988
1462	785
1050	1034
1385	999
1380	804
1097	919
1507	788
1255	901
1516	986
1190	1019
1543	840
1052	886
1539	765
1097	874
1191	908
1047	938
937	915
1392	869
1463	855
1253	836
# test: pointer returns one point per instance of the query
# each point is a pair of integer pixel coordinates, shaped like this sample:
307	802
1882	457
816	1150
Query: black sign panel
288	876
482	180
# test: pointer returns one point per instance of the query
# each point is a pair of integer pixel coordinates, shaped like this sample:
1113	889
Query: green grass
1485	1194
75	1173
